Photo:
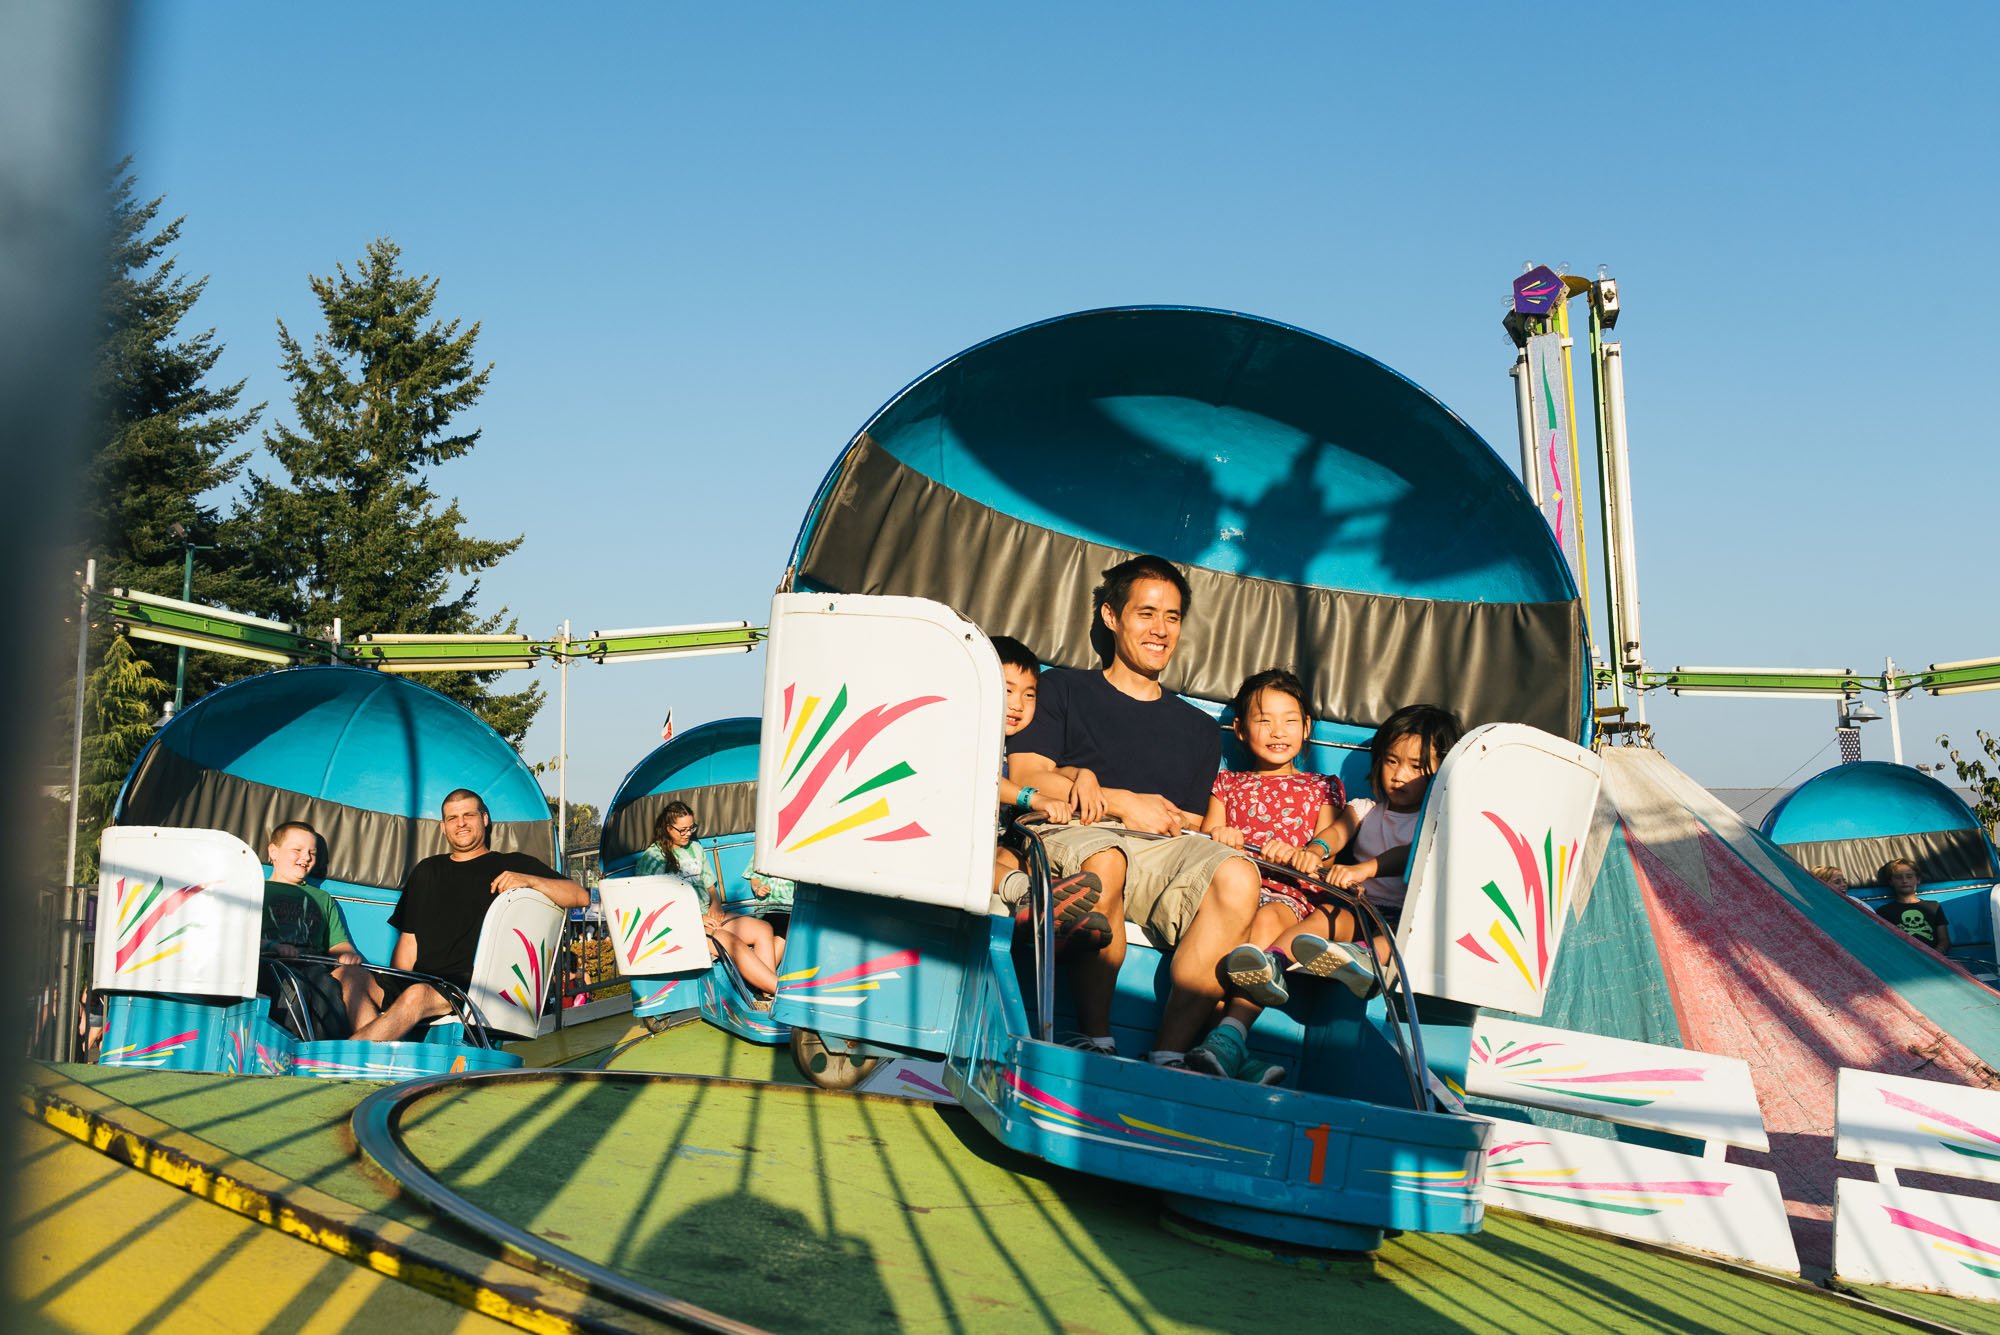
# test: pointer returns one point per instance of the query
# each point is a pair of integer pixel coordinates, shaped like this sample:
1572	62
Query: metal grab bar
1409	1048
461	1005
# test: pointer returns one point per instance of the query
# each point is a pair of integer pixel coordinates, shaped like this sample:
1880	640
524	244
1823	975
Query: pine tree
121	698
357	533
165	438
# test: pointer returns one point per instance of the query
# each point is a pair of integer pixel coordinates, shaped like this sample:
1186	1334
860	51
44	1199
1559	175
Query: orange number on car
1318	1136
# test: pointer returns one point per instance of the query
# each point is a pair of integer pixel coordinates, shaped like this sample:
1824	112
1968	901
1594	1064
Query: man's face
1020	697
1145	631
292	856
464	824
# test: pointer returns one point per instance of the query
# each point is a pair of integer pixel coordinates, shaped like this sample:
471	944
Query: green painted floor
797	1210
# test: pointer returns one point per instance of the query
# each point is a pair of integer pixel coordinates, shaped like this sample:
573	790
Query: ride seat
179	912
515	962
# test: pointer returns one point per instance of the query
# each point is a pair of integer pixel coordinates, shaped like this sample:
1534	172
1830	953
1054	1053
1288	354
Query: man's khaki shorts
1165	879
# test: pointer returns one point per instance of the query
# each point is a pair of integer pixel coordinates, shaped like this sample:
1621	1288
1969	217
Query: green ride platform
787	1208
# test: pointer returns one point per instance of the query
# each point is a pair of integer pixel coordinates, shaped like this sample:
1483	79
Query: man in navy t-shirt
1155	756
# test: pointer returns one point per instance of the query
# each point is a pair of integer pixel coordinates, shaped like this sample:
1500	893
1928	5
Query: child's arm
1318	850
1084	794
1055	808
1390	863
1943	936
1216	825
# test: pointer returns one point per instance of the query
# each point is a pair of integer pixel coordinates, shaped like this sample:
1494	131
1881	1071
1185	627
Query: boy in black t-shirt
443	907
1918	917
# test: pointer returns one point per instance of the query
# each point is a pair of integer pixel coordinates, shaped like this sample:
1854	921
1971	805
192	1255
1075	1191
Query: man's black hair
1118	581
1437	727
459	795
1270	679
1015	654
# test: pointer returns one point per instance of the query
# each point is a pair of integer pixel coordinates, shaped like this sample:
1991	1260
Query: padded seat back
178	912
655	924
512	970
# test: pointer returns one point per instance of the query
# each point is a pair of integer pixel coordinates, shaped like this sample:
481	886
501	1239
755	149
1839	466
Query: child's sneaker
1219	1054
1256	1072
1353	968
1252	971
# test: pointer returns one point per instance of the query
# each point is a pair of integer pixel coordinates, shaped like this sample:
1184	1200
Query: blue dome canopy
1866	800
365	757
1332	516
712	767
1859	816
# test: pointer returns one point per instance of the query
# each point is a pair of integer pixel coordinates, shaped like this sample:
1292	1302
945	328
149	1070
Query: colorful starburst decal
1524	937
1050	1113
527	992
1955	1134
1560	1184
236	1058
841	752
155	1054
638	938
867	977
1975	1254
1452	1184
1526	1065
140	911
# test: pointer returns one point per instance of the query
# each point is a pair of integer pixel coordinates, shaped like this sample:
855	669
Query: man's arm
405	956
559	890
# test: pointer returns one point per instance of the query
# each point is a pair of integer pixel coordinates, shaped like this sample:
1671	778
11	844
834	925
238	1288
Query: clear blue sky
705	242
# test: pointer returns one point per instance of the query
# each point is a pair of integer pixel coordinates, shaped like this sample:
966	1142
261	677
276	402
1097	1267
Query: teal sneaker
1256	1072
1253	971
1348	965
1219	1054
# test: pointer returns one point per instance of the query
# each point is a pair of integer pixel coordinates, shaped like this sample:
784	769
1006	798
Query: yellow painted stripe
812	702
1182	1135
152	959
874	811
802	973
1500	938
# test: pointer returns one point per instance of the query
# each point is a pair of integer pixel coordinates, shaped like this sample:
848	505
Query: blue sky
705	243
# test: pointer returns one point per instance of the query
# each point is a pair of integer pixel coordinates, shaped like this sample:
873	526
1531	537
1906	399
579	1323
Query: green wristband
1325	849
1024	799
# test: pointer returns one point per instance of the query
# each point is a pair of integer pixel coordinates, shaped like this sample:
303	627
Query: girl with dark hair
749	942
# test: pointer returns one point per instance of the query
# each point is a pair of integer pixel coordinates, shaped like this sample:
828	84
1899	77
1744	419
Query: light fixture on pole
180	534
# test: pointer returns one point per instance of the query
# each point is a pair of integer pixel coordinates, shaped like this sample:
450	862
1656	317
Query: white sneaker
1352	968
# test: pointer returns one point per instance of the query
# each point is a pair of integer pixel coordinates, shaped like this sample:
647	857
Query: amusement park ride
1552	1040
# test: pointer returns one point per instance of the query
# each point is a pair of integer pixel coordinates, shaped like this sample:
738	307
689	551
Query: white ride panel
1676	1090
1913	1239
1927	1125
655	924
1495	866
881	749
516	960
1677	1200
178	911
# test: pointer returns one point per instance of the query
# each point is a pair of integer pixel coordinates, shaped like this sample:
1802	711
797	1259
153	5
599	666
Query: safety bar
461	1005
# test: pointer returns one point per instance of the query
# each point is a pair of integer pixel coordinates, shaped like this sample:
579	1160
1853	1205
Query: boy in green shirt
301	919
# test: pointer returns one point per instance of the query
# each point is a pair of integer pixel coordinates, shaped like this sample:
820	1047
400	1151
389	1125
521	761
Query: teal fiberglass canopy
1859	816
1333	517
713	768
365	757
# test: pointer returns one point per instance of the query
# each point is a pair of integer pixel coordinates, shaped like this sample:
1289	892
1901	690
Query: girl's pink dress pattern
1285	808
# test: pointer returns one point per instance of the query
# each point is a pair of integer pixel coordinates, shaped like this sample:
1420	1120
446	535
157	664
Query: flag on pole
667	728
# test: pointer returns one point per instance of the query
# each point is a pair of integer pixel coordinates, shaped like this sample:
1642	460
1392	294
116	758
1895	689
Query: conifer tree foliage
350	527
164	435
121	700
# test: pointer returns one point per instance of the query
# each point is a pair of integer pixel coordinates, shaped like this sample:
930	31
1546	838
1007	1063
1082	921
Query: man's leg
1093	975
416	1003
1223	894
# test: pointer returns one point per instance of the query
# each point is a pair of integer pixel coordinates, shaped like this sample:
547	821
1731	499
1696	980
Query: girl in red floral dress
1275	804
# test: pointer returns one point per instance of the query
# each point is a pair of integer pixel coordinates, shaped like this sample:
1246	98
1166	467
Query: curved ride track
788	1208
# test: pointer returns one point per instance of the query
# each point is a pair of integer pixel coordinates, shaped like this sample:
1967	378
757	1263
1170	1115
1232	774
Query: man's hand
283	951
1228	836
1146	812
1088	797
514	880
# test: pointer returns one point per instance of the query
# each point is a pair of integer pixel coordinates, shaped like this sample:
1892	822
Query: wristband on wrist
1321	844
1024	798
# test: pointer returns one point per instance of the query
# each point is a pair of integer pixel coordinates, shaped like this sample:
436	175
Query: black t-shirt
1921	919
1163	746
444	905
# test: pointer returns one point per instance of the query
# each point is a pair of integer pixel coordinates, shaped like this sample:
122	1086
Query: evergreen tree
121	698
165	438
357	533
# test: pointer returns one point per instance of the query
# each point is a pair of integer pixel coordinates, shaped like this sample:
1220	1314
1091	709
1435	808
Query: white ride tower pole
1525	423
1895	722
1618	485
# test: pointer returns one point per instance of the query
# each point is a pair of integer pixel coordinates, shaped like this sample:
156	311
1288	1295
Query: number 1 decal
1318	1135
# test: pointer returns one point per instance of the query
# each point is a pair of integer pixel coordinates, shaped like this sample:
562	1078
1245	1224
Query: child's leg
750	946
1272	921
